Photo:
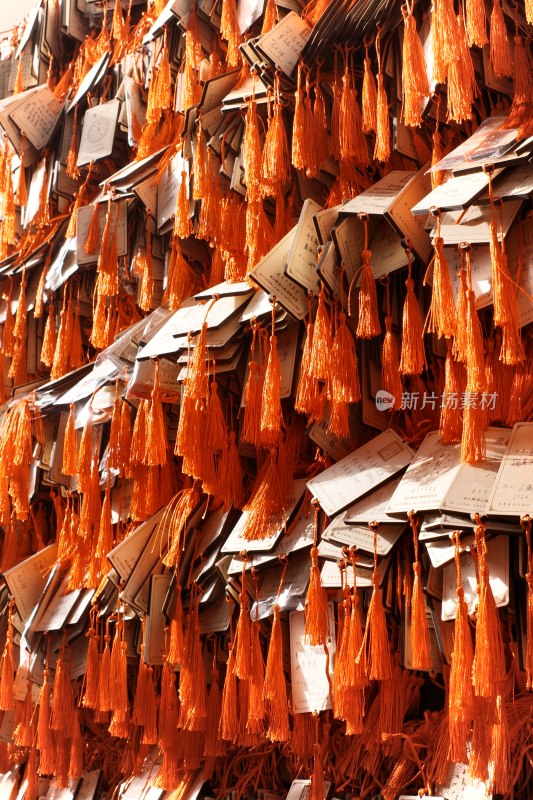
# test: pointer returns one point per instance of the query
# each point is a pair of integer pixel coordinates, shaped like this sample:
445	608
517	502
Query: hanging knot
410	284
438	241
366	255
388	323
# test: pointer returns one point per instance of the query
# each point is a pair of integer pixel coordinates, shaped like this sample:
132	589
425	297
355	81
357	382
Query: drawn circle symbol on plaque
97	130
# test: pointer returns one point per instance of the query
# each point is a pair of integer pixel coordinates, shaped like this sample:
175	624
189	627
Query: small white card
360	472
309	681
98	133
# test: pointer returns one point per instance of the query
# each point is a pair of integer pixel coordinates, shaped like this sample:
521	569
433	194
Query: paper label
154	651
283	44
309	681
378	198
456	193
98	133
27	580
119	229
38	116
512	493
302	258
498	564
358	473
124	556
269	274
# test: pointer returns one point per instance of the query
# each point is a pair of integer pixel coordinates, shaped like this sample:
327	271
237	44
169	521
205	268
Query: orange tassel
369	97
473	438
308	391
526	525
390	365
321	342
85	456
316	601
150	735
320	129
476	23
144	266
200	166
75	769
352	143
461	692
229	722
276	163
382	148
317	778
441	318
107	264
22	191
93	232
420	642
192	689
251	427
197	386
139	435
475	357
462	87
380	664
105	531
413	359
45	742
243	633
72	158
450	429
489	660
139	701
90	695
156	442
414	75
270	16
186	502
500	51
251	147
70	445
19	84
256	703
444	38
176	643
32	787
230	31
23	734
49	344
230	475
180	278
182	220
168	710
7	694
275	688
502	782
271	411
213	747
63	711
104	699
299	144
368	323
522	107
345	378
